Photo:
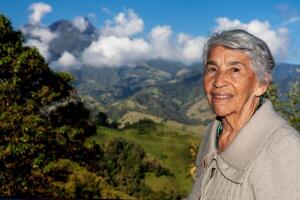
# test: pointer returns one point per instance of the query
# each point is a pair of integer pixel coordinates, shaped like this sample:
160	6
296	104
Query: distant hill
284	73
162	92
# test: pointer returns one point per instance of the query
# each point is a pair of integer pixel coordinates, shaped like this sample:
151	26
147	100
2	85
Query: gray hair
258	51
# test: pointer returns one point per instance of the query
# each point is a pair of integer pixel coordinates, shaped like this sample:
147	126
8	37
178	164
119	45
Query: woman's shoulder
281	149
277	167
285	138
280	135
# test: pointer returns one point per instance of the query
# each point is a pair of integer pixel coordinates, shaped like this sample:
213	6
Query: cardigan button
204	163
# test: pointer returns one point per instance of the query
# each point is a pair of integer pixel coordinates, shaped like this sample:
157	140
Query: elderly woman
248	151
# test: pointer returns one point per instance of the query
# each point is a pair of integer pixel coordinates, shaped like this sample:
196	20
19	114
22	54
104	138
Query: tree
127	164
41	120
288	105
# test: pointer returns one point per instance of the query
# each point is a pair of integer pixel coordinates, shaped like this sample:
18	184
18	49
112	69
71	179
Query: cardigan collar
234	161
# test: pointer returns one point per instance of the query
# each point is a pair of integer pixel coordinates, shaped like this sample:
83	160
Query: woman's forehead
220	54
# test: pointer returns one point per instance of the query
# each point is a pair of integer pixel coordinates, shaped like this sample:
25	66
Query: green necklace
220	126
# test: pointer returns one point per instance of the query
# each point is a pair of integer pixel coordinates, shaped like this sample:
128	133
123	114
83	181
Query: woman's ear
263	87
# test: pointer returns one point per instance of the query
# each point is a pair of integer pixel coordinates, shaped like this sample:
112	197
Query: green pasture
166	144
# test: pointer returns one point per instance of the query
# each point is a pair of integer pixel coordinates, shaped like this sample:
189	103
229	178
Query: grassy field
167	144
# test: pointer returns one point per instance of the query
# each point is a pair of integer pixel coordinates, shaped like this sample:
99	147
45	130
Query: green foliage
293	112
167	156
287	104
40	120
127	164
75	181
144	126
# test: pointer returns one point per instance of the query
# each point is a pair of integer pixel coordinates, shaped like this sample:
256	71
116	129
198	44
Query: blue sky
195	18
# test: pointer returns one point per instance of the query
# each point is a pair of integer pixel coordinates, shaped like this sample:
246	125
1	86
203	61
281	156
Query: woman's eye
211	69
235	69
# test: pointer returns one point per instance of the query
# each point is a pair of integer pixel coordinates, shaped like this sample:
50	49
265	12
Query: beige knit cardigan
261	163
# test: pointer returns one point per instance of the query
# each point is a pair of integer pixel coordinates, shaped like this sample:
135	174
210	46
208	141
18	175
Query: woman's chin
222	111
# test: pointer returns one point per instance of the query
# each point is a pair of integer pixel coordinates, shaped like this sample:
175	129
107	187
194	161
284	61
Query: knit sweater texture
261	163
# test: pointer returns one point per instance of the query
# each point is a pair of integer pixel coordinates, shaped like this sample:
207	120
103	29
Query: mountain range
165	89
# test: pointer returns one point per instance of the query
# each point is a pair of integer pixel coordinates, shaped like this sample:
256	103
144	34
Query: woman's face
229	81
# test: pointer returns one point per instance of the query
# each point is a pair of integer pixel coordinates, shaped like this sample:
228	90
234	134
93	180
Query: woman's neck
232	124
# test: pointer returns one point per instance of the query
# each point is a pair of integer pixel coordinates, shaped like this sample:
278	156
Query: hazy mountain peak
68	26
71	38
61	25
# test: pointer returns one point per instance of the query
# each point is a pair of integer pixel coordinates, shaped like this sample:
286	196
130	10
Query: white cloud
115	51
119	51
66	61
80	22
124	24
191	48
161	34
40	38
38	11
118	44
43	49
160	40
43	34
277	39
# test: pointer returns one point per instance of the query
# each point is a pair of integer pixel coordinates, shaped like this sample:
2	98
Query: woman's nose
220	80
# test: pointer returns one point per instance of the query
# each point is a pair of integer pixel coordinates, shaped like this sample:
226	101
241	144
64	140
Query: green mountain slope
151	88
169	146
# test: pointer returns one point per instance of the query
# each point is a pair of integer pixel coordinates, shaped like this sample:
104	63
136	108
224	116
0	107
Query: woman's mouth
221	96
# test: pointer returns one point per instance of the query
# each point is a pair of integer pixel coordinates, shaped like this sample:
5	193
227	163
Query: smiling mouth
221	96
